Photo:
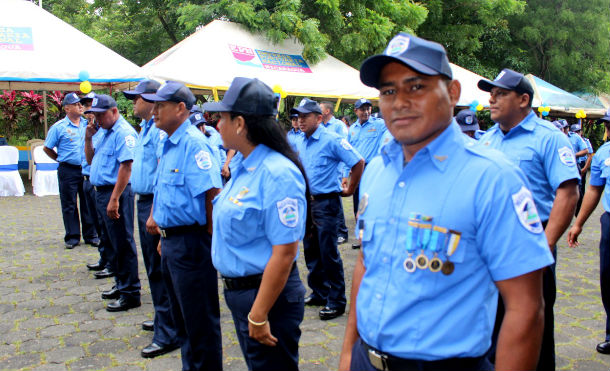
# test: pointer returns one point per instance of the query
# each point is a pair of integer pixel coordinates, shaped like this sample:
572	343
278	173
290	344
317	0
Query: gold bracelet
256	323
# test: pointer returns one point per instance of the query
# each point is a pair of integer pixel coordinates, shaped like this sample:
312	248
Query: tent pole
44	110
337	104
215	93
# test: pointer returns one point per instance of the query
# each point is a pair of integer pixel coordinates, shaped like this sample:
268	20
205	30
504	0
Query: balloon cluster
581	114
475	106
85	85
278	90
544	110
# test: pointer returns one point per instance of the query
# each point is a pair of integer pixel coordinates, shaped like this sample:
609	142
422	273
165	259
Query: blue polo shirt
366	137
293	137
186	171
321	155
600	172
464	188
145	160
95	139
542	151
261	206
115	146
69	140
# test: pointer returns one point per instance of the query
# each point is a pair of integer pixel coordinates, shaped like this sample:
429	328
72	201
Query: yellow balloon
547	108
540	109
277	88
583	116
85	87
283	94
479	107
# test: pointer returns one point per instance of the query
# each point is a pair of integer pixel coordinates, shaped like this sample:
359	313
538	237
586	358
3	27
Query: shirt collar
528	123
175	137
256	157
316	134
332	118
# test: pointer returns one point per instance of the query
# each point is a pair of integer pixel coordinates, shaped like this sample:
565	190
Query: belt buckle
378	360
163	234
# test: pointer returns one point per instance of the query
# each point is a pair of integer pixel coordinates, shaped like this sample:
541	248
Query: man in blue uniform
295	132
211	136
468	122
583	158
600	172
188	179
321	151
366	136
435	249
545	156
143	173
67	135
110	161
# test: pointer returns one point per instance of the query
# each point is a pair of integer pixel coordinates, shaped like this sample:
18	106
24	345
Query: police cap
172	91
144	86
102	103
246	96
509	80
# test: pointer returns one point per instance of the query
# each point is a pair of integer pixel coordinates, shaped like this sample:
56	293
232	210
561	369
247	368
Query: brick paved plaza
52	316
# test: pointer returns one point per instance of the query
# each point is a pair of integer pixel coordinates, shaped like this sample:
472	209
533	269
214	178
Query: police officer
545	156
295	132
103	264
110	172
600	172
435	249
366	136
211	135
584	161
468	122
188	178
67	135
321	151
259	218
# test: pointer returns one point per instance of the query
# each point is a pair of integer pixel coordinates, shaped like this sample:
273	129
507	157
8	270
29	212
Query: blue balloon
545	113
83	75
474	103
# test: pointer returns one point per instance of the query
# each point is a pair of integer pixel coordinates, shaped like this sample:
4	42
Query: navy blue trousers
98	219
165	330
192	286
342	230
284	319
70	181
121	252
322	257
604	268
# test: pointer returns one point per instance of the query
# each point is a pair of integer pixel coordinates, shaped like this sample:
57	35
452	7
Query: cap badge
468	120
303	102
398	45
198	116
94	102
500	75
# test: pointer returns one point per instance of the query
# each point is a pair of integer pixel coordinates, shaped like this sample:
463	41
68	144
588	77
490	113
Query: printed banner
16	38
269	60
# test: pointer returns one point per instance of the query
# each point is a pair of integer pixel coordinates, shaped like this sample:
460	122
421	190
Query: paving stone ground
52	316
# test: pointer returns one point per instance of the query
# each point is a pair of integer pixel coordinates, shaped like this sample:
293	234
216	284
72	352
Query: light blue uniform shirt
337	126
186	171
366	138
95	139
321	155
600	172
542	151
216	142
293	136
145	159
261	206
69	140
578	144
473	190
115	146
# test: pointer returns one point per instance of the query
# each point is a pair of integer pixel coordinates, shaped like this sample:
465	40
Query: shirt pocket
523	159
174	189
244	225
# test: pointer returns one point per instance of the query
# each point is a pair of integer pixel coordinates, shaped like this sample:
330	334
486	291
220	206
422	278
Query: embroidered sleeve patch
345	144
567	156
130	141
526	210
288	211
203	159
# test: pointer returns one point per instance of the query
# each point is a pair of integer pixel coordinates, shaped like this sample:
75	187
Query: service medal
447	268
422	260
409	264
435	264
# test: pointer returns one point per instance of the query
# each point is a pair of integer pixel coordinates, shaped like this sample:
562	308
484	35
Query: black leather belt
66	164
86	177
325	196
104	188
246	282
172	231
387	362
145	197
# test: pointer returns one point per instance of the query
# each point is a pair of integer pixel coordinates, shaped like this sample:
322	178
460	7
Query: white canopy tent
208	60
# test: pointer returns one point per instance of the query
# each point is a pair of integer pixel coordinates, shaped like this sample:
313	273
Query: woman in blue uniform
259	218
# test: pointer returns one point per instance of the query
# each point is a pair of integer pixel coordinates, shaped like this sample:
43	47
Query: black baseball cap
197	119
307	106
509	80
246	96
70	98
102	103
361	102
423	56
143	87
172	91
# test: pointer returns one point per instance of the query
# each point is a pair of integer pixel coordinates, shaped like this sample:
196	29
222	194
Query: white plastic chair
31	144
10	180
44	181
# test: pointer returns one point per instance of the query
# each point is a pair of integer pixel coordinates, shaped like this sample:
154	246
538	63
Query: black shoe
71	244
341	240
122	304
153	350
104	273
113	293
94	242
604	347
314	301
327	313
148	326
95	267
355	246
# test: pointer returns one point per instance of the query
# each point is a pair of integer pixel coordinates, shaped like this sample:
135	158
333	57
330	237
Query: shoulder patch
130	141
526	210
607	161
288	211
203	159
345	144
566	156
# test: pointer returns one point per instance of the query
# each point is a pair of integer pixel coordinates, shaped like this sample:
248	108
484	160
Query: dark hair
346	119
